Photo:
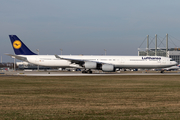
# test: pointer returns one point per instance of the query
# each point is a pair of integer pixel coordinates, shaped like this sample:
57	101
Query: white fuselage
147	62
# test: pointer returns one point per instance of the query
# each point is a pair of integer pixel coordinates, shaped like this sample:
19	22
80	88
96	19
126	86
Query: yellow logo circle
17	44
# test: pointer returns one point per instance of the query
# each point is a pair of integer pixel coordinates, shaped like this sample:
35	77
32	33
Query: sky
87	26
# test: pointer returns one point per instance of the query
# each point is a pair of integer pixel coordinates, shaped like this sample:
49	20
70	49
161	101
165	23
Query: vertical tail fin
19	47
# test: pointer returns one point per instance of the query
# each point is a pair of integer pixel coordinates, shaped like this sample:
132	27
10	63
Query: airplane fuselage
147	62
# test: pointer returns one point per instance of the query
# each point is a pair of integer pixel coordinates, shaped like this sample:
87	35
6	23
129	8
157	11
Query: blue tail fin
19	47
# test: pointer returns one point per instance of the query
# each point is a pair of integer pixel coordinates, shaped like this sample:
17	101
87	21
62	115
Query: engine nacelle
90	65
108	68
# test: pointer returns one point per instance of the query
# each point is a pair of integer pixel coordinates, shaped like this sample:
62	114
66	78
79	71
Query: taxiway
57	73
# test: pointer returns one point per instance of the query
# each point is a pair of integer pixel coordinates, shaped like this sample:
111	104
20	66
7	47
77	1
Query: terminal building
26	65
173	53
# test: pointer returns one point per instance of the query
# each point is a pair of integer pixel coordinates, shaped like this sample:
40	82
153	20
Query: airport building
26	65
173	53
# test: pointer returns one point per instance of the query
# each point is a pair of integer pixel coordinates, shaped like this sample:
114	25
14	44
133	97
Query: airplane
88	62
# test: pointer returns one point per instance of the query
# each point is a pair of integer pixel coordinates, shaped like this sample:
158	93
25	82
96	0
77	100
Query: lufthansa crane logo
17	44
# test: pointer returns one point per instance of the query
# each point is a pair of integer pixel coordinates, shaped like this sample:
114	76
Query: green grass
100	97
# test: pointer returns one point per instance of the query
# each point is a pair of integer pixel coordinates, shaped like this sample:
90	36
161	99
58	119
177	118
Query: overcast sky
87	26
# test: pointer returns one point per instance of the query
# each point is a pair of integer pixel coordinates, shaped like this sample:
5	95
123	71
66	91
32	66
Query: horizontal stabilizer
17	57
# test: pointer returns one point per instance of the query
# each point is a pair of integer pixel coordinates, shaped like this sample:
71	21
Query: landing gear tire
87	71
90	72
162	71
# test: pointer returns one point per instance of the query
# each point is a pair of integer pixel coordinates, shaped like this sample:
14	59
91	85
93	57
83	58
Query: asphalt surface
66	73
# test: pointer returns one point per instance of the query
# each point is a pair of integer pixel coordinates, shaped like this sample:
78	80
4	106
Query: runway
57	73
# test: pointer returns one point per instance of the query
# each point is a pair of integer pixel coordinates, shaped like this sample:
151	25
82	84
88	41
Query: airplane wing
88	64
17	57
76	61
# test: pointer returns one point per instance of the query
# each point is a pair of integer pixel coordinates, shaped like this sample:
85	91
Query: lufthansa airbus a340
88	62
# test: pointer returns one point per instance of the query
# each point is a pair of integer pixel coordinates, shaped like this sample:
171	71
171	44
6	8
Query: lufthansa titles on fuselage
152	58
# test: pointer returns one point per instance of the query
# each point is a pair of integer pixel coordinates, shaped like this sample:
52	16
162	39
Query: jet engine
108	68
90	65
103	67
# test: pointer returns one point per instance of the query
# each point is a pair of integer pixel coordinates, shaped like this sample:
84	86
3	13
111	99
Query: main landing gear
87	71
162	71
